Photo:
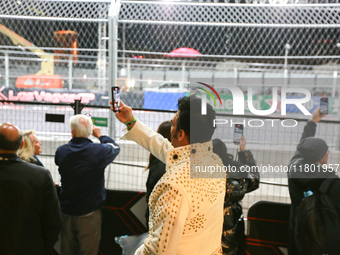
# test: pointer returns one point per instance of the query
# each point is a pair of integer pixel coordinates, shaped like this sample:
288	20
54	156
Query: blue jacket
81	165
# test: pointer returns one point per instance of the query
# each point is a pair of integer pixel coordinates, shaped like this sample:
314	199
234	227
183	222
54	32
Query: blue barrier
161	101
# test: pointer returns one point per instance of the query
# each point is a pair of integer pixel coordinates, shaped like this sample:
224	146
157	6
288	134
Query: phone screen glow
116	95
238	134
323	107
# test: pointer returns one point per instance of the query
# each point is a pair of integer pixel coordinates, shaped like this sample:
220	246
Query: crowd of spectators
185	215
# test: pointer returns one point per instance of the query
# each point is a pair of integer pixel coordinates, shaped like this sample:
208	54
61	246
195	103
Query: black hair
199	128
8	145
220	149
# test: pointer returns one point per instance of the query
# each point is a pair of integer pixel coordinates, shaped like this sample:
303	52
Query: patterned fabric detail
194	224
183	207
205	163
164	209
178	154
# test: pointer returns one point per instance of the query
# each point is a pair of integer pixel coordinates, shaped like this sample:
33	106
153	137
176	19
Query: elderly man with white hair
81	165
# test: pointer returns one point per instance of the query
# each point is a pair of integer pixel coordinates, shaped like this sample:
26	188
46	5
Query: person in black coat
30	217
237	185
156	167
312	153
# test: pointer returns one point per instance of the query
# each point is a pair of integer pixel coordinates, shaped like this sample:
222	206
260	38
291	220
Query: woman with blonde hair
31	148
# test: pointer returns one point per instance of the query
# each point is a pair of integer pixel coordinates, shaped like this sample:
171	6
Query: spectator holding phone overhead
186	214
237	185
82	195
308	172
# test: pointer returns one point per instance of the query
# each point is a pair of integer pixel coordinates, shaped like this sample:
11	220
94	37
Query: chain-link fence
293	39
71	41
68	37
277	39
127	172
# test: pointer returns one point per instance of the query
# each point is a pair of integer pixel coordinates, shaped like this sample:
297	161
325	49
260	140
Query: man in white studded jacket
186	214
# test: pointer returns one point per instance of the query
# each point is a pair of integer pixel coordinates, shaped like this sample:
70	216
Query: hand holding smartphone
323	105
116	98
238	133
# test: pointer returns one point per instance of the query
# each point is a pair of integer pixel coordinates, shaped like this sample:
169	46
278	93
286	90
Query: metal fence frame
111	13
271	189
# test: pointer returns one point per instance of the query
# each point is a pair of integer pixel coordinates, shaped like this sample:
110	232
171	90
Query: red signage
47	96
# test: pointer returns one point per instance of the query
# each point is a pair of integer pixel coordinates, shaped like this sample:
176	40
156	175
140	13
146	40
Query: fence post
141	80
101	64
113	66
337	140
128	73
183	76
235	76
77	106
335	76
6	70
285	72
70	63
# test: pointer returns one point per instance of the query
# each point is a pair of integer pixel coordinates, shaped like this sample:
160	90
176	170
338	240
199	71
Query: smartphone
238	133
115	97
323	105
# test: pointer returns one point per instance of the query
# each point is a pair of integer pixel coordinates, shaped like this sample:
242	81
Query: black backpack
317	227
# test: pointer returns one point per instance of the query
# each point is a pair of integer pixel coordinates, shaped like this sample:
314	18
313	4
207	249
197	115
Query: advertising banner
100	122
54	95
134	99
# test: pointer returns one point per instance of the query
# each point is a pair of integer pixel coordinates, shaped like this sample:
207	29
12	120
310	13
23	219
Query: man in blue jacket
81	165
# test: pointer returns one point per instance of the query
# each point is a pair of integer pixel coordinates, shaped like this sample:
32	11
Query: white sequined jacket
186	214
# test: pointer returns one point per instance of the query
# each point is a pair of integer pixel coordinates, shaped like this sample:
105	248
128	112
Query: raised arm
310	129
107	150
246	158
143	135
